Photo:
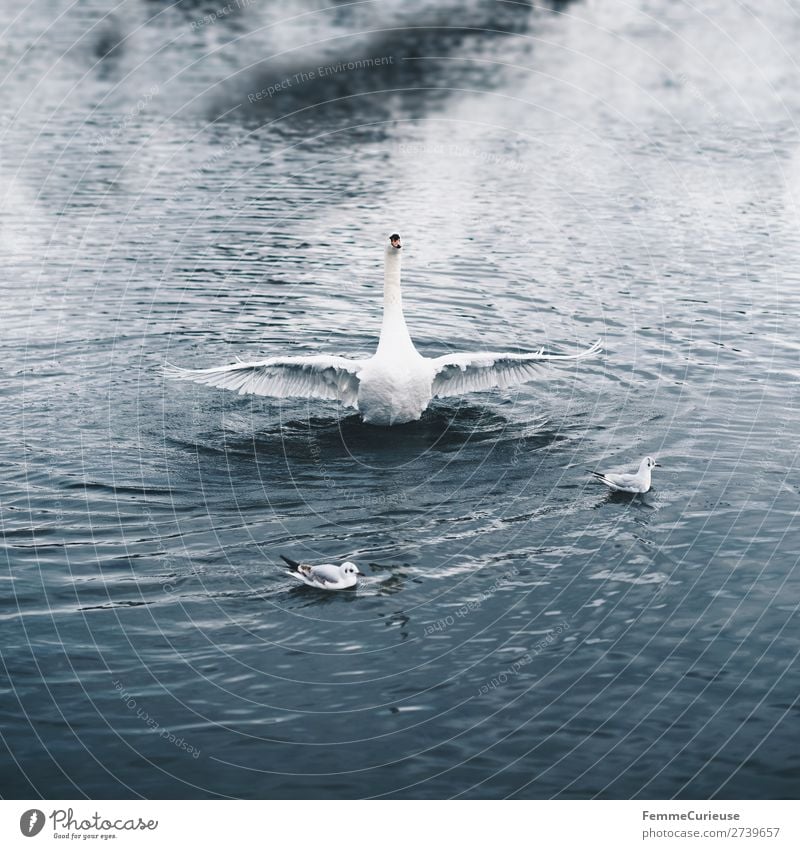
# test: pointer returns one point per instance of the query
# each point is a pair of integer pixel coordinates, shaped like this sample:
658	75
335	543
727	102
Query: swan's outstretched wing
456	374
319	376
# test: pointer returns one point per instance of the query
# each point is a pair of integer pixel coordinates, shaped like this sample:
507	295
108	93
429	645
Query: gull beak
361	575
657	465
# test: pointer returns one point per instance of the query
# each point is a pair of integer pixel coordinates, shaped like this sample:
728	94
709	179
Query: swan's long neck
394	333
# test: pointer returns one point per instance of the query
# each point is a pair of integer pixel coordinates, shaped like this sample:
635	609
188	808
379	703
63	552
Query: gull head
351	569
650	463
394	241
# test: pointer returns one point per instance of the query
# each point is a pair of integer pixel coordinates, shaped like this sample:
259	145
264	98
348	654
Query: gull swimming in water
326	576
393	386
634	484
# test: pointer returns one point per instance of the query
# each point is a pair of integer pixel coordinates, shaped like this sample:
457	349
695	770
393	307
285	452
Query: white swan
391	387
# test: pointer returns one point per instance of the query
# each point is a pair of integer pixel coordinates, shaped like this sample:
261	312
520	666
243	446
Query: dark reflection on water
560	175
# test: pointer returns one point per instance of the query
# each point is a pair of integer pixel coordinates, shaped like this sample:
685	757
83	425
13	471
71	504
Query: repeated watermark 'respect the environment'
461	150
503	677
221	12
104	139
130	702
727	131
348	495
165	581
471	606
319	73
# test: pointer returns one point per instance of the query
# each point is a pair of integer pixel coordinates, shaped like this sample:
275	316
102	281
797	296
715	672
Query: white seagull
635	484
393	386
326	576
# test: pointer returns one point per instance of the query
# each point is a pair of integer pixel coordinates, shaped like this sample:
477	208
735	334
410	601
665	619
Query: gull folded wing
612	481
320	376
326	574
456	374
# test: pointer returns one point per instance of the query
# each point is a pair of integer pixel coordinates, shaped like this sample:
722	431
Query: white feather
456	374
321	376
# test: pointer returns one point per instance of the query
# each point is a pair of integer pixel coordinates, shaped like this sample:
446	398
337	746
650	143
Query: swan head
391	263
351	569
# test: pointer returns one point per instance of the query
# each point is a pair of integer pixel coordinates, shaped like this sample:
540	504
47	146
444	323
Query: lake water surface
623	171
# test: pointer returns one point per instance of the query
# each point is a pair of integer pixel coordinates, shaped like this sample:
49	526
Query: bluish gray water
629	172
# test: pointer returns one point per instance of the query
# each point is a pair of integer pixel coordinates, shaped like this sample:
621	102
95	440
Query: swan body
634	484
393	386
389	394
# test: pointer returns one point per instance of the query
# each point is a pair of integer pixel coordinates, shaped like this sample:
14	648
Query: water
627	172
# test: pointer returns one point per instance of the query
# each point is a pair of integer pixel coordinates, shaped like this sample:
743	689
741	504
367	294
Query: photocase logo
31	822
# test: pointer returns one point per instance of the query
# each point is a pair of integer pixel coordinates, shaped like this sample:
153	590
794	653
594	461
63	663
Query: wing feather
320	376
327	573
455	374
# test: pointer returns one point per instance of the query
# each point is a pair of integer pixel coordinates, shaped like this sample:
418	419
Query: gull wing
603	478
301	577
455	374
319	376
289	562
622	479
325	574
620	482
